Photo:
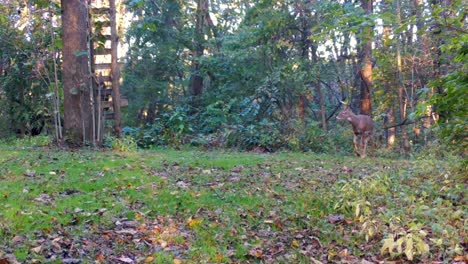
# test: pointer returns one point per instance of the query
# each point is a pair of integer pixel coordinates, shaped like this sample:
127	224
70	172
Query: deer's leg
365	140
356	144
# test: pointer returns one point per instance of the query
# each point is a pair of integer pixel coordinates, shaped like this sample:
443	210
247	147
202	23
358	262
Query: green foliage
452	102
25	70
172	128
124	144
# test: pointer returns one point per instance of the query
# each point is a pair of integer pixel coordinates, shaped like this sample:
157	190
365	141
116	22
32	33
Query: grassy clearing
192	206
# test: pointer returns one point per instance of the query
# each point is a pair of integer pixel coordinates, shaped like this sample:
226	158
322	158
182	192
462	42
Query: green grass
222	206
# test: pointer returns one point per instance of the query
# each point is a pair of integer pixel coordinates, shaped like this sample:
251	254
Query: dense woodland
264	75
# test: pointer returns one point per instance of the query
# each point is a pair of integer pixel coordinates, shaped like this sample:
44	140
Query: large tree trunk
78	125
365	57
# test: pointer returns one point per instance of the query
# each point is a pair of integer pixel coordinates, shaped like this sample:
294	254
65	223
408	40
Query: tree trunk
390	132
366	62
196	80
403	100
78	106
115	70
306	44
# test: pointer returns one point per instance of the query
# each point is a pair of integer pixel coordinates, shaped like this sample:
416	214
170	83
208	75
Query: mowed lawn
192	206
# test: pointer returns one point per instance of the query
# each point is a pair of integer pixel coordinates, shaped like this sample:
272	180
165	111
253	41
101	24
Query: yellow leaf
193	222
149	259
177	261
409	252
388	245
295	243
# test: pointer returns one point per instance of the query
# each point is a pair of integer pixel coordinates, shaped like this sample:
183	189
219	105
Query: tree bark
403	101
78	106
366	62
196	80
115	70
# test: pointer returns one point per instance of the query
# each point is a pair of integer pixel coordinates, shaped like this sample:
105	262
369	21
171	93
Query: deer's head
346	114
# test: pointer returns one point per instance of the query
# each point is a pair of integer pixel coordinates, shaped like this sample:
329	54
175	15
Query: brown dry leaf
218	258
100	257
343	253
37	249
258	253
163	243
177	261
149	259
461	258
335	218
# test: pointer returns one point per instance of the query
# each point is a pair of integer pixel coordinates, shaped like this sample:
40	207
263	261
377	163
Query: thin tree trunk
57	121
196	80
403	100
115	70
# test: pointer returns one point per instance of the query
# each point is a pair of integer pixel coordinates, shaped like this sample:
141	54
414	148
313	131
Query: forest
233	131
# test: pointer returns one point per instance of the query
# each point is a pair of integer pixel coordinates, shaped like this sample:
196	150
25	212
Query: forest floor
191	206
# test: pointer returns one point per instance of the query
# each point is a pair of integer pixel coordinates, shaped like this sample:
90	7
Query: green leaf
58	43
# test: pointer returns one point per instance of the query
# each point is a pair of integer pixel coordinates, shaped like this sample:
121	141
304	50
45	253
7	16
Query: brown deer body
363	128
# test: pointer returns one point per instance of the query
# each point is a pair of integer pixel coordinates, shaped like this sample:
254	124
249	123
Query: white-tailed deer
363	128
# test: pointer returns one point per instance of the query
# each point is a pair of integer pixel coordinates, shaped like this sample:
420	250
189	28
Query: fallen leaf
295	243
258	253
36	249
335	218
71	261
125	260
193	222
163	244
343	253
149	259
177	261
100	257
17	239
30	173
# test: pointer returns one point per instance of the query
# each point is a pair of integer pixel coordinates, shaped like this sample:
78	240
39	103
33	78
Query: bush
265	135
124	144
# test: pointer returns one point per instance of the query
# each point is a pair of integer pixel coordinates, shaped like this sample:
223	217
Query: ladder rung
103	24
109	104
100	10
102	51
102	66
105	79
106	92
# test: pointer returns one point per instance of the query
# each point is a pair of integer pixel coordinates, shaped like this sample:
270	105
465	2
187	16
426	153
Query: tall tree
78	106
365	58
115	70
402	98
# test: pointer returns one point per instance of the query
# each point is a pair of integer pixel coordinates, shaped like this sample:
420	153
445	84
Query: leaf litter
273	221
